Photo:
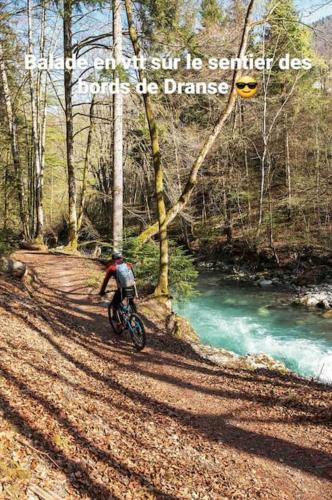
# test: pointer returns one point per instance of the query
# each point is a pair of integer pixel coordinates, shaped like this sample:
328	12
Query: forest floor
82	415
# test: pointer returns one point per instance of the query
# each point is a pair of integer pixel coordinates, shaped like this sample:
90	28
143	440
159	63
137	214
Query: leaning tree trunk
12	128
68	84
152	230
162	286
35	137
117	215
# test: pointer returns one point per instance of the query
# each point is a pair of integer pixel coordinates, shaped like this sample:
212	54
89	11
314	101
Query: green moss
13	470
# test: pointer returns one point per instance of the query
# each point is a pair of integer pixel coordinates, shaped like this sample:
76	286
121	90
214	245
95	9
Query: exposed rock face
318	297
181	328
12	267
222	357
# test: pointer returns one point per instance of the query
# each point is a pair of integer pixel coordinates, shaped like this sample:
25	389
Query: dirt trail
88	417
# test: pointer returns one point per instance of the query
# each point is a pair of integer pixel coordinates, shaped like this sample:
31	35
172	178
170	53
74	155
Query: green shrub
5	246
145	258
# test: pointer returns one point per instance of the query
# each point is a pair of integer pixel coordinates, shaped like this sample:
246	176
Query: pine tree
211	12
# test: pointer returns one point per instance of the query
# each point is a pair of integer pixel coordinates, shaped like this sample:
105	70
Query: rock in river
320	297
264	282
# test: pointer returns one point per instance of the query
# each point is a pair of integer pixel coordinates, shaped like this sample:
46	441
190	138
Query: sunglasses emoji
246	86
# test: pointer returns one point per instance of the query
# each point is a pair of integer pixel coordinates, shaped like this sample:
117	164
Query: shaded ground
84	416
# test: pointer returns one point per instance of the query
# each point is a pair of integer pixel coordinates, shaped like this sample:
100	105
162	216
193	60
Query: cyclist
123	273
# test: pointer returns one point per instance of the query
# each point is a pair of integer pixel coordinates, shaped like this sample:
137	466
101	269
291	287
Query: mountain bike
125	317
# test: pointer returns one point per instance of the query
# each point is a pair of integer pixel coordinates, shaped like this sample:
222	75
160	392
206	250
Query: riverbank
249	320
301	269
303	287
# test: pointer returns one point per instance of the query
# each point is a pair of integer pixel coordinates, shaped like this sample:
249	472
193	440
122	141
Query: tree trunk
150	231
117	133
5	195
68	84
246	164
86	166
162	286
12	128
42	103
318	181
271	225
288	171
263	157
35	136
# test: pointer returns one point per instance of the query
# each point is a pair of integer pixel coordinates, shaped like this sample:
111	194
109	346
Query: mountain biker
123	273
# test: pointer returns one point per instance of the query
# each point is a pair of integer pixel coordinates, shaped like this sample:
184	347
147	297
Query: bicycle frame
124	311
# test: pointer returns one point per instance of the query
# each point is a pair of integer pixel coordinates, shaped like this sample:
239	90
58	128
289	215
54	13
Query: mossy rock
13	267
34	246
183	330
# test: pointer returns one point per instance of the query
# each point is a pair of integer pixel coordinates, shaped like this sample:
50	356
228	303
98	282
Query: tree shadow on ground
62	460
215	427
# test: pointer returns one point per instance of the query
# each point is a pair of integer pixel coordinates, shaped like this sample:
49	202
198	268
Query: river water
247	319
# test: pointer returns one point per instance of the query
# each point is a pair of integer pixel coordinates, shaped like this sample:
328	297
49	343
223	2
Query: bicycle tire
114	324
137	331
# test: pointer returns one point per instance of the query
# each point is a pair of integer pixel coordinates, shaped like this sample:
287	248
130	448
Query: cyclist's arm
109	274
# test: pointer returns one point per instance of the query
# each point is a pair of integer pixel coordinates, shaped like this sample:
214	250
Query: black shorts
129	292
122	293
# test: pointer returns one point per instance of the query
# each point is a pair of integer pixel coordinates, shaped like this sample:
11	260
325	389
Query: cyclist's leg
132	304
116	301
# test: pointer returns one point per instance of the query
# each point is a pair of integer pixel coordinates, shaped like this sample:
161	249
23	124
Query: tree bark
42	102
68	84
117	215
5	201
245	153
35	136
152	230
86	166
265	135
12	128
162	286
288	170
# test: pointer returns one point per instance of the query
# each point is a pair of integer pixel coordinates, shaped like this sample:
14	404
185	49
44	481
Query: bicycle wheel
137	331
116	324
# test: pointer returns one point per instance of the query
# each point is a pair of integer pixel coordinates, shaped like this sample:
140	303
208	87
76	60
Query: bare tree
12	128
35	134
68	86
117	214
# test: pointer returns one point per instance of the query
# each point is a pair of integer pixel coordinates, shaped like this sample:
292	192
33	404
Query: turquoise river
248	319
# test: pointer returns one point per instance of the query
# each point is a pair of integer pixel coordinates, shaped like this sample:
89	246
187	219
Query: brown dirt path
84	416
